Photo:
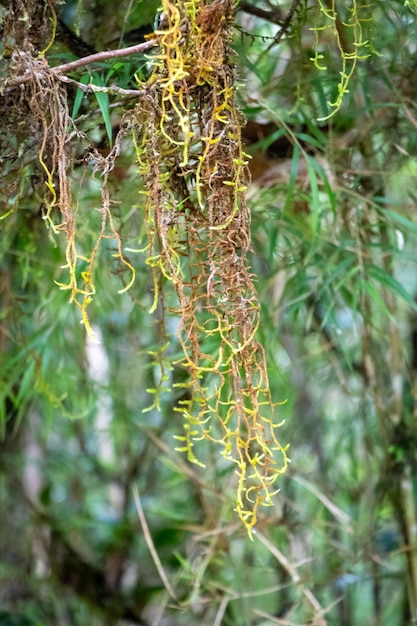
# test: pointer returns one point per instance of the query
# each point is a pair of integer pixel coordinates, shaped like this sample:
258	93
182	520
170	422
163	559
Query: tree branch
285	24
61	70
275	16
103	56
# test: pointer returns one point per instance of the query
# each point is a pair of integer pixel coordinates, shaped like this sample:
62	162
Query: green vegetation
228	208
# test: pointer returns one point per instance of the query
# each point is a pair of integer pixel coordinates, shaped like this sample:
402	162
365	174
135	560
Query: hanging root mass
188	140
191	157
45	99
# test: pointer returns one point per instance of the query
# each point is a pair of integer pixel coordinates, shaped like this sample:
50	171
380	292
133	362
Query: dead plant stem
296	578
150	543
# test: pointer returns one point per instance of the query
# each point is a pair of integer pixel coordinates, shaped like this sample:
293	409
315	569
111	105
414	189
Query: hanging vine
198	225
348	25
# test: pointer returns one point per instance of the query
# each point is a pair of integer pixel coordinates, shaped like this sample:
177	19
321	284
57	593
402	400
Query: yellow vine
350	39
47	102
191	157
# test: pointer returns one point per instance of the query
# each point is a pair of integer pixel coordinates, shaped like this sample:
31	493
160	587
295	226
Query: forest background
103	522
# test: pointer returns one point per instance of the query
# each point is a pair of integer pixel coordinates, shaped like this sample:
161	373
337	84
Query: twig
275	16
150	544
285	24
221	611
342	517
296	578
60	70
103	56
91	88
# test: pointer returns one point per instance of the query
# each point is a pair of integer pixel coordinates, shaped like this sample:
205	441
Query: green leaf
79	96
310	140
103	103
263	144
388	281
26	383
366	287
293	177
401	220
323	177
315	199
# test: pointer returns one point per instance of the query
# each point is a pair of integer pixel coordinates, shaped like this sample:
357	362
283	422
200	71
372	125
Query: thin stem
408	501
91	88
150	543
296	578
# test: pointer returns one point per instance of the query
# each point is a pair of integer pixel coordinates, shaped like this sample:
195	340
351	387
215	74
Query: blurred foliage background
102	522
